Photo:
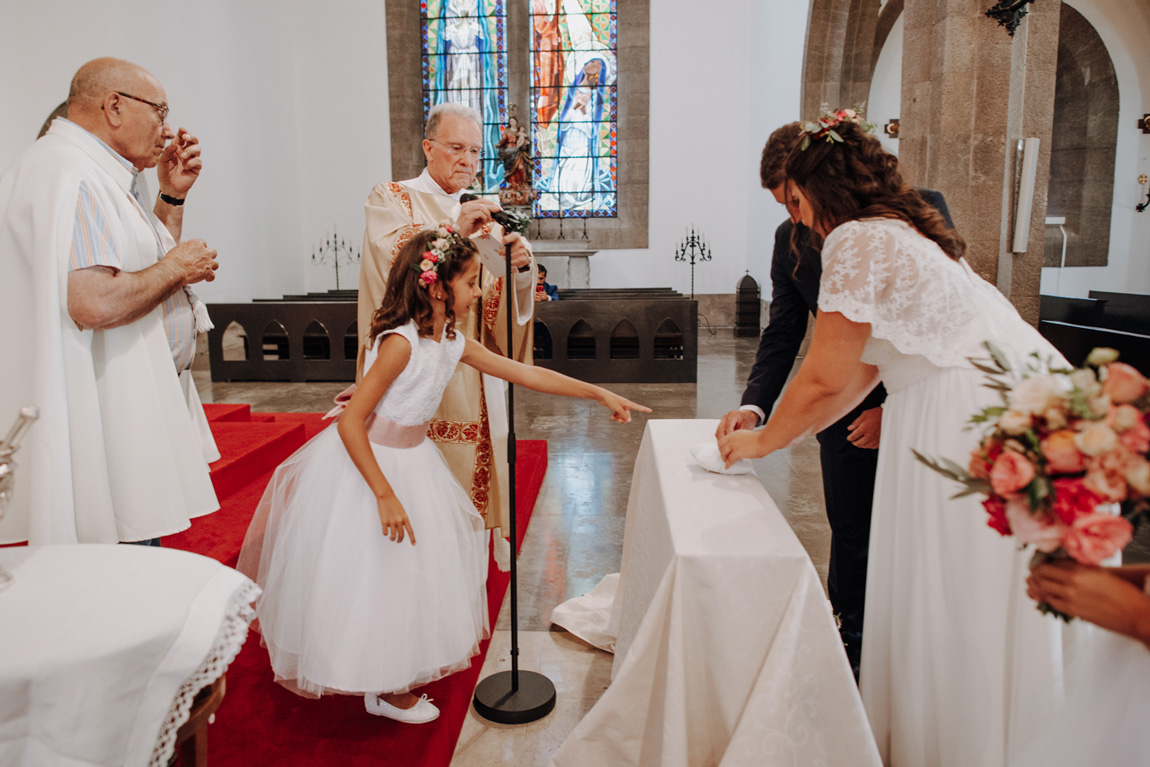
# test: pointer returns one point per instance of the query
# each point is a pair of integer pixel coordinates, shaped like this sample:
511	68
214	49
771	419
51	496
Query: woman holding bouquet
958	668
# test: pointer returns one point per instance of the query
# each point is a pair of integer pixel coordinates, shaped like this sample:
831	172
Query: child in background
344	609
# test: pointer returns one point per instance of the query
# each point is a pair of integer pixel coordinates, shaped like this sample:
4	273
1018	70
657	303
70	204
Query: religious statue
515	153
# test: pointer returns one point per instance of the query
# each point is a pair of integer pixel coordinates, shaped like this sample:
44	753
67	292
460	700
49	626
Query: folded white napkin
706	454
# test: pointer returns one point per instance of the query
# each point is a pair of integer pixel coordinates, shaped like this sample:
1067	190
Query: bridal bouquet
1062	443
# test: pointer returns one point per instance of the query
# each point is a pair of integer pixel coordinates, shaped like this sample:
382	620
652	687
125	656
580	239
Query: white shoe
423	711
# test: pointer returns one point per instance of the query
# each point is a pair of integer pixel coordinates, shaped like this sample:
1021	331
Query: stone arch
1082	145
842	46
274	342
234	344
316	342
351	342
581	341
668	341
543	344
624	341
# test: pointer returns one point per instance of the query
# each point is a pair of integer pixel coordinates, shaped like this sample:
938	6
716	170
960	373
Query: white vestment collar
104	156
426	184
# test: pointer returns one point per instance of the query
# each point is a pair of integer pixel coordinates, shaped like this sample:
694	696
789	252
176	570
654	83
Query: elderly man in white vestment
470	426
87	271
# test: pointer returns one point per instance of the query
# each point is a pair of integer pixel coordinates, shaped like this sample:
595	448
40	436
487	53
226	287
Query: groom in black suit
848	448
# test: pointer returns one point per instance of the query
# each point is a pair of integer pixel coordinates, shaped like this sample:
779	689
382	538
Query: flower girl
344	608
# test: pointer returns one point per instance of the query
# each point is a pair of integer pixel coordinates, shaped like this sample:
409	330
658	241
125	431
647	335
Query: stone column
970	91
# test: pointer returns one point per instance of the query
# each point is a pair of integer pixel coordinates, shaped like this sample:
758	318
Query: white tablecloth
726	650
102	649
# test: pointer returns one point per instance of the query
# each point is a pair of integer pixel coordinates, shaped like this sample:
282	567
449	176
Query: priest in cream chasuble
470	426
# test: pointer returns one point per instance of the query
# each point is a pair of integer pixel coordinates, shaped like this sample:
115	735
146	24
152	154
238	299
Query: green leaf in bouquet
988	414
998	357
943	466
1037	492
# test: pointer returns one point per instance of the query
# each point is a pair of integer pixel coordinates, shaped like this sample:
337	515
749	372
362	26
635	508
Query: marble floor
576	532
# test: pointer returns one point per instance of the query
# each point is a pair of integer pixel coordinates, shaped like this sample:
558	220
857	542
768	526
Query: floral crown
825	128
437	252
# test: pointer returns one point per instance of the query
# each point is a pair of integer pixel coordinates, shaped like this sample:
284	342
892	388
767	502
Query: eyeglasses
161	109
456	150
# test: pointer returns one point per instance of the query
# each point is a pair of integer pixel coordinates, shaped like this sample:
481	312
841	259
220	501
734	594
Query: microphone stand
513	697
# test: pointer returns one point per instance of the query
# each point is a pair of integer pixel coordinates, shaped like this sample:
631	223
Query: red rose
1073	499
996	508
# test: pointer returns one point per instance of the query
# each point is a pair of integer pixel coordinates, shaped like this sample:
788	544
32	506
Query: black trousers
848	486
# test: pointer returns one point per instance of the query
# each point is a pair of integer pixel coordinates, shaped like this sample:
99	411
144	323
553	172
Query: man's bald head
124	106
101	76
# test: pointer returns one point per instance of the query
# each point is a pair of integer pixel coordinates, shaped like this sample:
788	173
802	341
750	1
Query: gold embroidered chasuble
470	426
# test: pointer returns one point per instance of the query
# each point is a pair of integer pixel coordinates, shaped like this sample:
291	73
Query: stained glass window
573	107
465	61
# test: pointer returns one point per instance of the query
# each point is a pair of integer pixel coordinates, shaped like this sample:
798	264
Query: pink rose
1072	499
1137	474
979	466
1109	485
428	278
1136	438
1123	383
1044	530
1095	438
1094	537
1062	454
1011	473
996	510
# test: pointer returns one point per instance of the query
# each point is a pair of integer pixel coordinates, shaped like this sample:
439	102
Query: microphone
511	222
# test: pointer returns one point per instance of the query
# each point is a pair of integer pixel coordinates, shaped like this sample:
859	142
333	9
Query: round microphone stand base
496	701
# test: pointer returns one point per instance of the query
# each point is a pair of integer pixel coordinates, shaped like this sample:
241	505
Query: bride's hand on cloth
1106	597
735	421
741	444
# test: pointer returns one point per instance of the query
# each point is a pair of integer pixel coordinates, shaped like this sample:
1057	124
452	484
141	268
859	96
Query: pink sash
391	434
380	430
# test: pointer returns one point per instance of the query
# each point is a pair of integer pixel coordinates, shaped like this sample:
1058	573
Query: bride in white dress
958	668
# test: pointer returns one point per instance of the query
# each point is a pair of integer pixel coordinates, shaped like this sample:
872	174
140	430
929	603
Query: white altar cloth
103	647
726	651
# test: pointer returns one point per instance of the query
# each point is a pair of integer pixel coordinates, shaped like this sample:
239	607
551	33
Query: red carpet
261	723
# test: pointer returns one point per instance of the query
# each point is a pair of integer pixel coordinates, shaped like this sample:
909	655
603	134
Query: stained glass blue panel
465	61
573	107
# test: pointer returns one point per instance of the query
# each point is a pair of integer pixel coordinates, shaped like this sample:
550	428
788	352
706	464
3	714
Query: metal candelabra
333	250
693	248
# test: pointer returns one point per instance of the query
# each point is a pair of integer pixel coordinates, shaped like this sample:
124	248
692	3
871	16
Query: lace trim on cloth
882	272
233	631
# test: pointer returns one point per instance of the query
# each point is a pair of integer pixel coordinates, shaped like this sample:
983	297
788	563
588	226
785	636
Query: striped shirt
93	245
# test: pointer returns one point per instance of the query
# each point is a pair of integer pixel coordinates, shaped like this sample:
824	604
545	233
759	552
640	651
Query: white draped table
726	651
103	648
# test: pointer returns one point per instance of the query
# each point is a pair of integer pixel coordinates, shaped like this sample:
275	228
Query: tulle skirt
346	610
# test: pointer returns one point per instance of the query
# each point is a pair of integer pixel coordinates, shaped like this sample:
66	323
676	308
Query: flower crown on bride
436	254
825	128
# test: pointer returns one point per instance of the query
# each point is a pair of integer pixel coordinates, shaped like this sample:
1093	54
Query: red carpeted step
313	423
227	412
220	535
247	450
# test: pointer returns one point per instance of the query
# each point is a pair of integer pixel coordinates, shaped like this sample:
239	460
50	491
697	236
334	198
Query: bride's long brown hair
405	299
856	178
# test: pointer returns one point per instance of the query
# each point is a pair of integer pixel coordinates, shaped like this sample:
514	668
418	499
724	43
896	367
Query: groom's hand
736	420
